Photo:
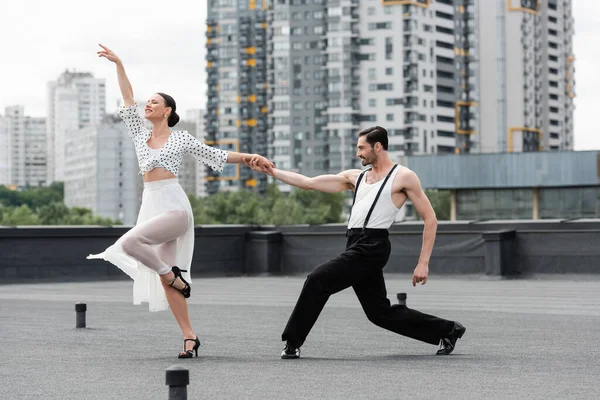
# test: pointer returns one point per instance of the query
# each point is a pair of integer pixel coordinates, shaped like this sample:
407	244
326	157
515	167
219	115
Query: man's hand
259	164
420	274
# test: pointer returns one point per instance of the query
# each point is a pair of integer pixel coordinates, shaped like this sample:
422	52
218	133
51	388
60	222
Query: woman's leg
141	241
167	253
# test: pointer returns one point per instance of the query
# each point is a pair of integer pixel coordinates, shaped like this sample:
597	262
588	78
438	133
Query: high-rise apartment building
4	153
442	76
517	62
187	174
75	100
297	85
407	73
236	112
22	149
101	171
345	65
196	116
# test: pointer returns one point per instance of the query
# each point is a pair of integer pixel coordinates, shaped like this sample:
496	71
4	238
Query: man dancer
376	203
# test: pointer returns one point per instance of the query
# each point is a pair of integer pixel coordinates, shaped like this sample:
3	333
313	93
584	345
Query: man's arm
323	183
414	191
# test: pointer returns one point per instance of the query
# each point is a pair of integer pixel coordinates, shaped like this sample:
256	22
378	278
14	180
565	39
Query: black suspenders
376	197
356	190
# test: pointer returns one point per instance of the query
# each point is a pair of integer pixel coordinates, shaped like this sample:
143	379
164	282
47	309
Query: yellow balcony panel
528	6
418	3
514	129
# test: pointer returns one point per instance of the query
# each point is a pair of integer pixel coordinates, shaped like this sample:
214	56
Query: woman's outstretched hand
108	54
259	164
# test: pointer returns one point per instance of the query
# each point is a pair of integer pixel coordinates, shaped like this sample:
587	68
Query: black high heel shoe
187	289
190	353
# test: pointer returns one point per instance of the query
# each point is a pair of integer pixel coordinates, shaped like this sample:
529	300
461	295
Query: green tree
53	214
22	215
440	201
201	217
84	216
319	207
274	208
286	211
232	207
33	197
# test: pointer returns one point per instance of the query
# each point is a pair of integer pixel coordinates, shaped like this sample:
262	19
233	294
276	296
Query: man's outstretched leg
372	294
326	279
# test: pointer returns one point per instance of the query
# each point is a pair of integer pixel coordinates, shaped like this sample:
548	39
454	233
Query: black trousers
361	266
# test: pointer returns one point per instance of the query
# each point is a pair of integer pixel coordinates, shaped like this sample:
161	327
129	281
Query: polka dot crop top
170	156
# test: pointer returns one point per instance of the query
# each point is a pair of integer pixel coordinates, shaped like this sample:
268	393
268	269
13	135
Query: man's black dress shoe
290	351
448	343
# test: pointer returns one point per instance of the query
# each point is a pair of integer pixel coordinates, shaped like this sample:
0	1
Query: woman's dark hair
170	102
375	134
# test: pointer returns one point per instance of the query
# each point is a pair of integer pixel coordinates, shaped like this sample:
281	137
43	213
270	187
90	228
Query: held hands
420	274
108	54
259	164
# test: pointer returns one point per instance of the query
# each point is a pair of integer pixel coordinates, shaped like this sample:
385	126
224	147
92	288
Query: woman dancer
157	252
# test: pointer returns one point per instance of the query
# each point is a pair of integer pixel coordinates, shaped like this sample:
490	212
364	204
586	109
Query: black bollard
80	309
401	299
177	378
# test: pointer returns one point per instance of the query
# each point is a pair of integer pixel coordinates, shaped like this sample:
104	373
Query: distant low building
537	185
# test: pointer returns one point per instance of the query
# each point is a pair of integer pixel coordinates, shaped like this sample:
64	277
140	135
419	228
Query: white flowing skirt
158	197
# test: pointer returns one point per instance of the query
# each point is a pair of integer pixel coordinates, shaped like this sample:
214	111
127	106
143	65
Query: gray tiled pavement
526	339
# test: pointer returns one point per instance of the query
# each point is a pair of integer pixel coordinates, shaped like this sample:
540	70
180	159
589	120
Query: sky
162	47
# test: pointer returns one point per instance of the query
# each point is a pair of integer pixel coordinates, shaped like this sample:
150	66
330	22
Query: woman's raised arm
124	85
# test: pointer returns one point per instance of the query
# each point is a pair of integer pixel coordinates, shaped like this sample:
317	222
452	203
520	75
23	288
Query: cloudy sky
162	47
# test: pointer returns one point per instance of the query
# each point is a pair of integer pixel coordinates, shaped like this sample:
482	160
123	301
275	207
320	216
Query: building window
388	47
577	202
380	86
379	25
389	117
444	15
495	204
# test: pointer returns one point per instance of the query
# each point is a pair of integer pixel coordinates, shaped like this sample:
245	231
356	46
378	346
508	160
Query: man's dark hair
375	134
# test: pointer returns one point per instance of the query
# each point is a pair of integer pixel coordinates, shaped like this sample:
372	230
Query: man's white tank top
385	211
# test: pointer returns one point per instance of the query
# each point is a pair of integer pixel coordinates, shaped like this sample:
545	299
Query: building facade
75	100
515	64
23	149
101	171
437	74
196	116
187	173
512	185
236	112
5	159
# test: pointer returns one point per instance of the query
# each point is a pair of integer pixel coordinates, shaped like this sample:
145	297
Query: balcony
410	88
